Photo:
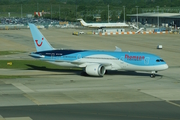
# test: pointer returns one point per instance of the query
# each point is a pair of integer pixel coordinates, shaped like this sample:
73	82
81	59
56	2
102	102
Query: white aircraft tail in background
83	23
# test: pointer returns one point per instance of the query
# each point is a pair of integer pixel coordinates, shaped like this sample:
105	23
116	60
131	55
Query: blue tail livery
39	40
94	62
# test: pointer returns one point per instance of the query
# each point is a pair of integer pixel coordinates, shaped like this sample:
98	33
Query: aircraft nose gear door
146	60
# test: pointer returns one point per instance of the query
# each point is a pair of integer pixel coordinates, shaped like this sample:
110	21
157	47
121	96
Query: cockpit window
161	60
158	60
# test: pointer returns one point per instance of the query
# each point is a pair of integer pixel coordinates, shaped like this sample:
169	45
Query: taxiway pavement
119	94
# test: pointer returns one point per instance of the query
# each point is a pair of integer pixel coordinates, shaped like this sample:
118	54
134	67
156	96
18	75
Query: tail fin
83	23
39	40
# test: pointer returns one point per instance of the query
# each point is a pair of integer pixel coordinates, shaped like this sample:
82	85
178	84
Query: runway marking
119	115
16	118
22	87
95	113
173	103
32	99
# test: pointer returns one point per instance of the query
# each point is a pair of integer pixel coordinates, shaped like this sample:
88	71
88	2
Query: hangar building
172	19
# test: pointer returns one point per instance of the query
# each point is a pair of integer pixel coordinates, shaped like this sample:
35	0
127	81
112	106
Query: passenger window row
159	60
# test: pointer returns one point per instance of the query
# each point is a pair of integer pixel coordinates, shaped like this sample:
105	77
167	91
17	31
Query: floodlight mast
124	13
108	13
157	16
137	15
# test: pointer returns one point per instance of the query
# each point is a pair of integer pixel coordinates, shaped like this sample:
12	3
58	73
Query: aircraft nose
165	66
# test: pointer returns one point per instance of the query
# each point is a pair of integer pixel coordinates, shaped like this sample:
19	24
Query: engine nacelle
95	70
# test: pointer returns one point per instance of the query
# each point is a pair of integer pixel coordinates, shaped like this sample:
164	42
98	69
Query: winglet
39	40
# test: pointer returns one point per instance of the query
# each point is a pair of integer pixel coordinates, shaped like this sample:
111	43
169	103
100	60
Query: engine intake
95	70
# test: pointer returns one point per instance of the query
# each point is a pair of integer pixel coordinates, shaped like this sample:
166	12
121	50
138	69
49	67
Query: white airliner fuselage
102	25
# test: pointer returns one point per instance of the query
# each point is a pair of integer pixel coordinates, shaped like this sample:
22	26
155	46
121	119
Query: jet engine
95	70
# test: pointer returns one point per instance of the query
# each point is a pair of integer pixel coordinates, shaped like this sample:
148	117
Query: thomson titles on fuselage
136	58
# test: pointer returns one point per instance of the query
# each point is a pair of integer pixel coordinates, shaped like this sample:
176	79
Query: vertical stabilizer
39	40
83	23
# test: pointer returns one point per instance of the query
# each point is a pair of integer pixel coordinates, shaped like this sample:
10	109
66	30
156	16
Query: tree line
70	10
128	3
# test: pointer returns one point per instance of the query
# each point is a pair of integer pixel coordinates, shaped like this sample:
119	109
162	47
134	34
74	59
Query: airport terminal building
165	19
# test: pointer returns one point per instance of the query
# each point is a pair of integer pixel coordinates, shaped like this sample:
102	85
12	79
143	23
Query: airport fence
40	26
12	27
133	33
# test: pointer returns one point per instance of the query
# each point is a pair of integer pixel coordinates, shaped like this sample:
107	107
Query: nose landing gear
153	74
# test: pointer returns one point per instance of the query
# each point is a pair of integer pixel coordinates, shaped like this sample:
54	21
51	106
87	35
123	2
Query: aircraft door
79	56
146	60
123	64
52	56
122	59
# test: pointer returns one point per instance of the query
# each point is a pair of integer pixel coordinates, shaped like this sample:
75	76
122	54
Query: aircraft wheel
152	75
83	73
106	72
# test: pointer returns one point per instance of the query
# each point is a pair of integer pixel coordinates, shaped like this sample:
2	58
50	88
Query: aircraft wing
84	64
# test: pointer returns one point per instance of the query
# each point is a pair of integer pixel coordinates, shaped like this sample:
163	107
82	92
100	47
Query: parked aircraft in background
102	25
94	62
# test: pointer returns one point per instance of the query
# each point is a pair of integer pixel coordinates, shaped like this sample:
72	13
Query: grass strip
10	52
13	76
32	65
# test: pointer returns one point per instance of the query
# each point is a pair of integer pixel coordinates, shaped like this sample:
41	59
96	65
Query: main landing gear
153	74
84	73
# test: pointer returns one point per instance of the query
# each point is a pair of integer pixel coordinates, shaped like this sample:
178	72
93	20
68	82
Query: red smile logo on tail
39	45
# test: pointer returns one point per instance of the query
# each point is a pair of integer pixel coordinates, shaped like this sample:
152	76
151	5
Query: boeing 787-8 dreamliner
95	62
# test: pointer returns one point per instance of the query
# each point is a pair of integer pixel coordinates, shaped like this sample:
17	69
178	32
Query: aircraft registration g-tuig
95	62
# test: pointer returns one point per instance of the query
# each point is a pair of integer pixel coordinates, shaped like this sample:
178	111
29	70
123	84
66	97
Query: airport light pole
124	13
108	13
21	10
76	9
59	12
51	11
137	15
157	16
37	7
76	12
